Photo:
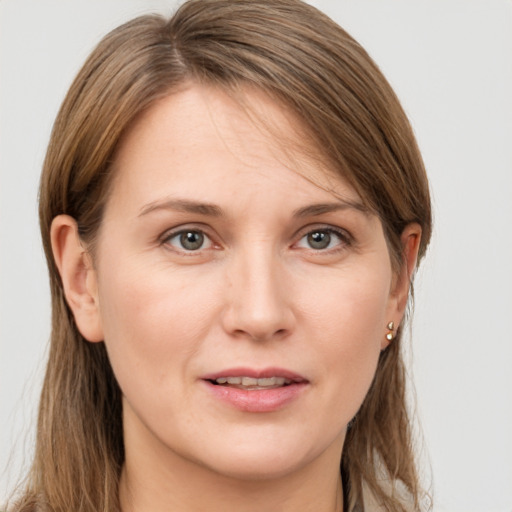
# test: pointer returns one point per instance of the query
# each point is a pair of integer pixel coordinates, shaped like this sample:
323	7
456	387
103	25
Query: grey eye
324	239
191	240
188	240
318	239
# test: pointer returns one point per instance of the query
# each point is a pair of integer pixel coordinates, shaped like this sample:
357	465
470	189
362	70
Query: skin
256	294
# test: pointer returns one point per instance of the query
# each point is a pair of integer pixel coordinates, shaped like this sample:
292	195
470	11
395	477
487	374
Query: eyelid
345	237
167	235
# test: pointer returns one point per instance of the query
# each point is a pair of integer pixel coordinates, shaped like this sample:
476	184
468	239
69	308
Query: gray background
451	64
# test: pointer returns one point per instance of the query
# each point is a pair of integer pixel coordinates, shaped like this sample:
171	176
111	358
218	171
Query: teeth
252	382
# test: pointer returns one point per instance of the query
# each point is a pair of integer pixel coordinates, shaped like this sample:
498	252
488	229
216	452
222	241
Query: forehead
205	133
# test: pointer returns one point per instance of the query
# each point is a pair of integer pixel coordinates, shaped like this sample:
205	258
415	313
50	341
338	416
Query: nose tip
259	325
259	337
259	306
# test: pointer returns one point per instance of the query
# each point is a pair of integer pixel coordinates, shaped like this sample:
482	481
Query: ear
78	277
410	241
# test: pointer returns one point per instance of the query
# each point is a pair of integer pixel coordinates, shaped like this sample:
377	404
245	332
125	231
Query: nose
259	305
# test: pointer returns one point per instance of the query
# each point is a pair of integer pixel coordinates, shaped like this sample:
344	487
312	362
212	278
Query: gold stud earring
390	335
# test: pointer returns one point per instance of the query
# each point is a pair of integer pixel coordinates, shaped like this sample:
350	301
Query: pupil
191	240
319	240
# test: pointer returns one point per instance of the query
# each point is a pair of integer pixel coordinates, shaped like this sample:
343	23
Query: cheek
153	323
349	325
351	306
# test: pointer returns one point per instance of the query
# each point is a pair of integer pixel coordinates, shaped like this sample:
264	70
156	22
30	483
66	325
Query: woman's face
243	304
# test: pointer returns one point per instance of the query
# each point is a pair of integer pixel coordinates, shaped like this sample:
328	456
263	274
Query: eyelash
170	235
344	239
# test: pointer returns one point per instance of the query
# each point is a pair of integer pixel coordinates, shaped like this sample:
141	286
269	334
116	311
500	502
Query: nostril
261	335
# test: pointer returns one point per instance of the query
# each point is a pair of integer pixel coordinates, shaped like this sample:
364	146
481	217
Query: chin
262	459
258	468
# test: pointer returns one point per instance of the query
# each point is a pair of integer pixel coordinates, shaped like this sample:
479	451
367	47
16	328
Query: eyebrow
212	210
322	208
182	205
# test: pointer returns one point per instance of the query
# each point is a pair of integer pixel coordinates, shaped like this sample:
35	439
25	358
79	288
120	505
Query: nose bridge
259	304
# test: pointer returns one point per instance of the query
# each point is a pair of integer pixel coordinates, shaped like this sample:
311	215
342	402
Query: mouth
256	391
252	383
251	379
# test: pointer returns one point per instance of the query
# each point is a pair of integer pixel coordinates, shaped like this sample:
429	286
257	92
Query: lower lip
257	400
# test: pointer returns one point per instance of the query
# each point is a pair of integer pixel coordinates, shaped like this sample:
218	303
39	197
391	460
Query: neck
285	495
162	481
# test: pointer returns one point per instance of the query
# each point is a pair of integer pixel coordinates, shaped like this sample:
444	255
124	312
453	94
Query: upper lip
256	374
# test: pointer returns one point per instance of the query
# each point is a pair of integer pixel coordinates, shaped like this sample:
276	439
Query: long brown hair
303	59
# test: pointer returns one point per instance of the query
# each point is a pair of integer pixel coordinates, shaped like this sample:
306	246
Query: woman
232	207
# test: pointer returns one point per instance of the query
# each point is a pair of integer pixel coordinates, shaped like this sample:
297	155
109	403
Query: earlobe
78	277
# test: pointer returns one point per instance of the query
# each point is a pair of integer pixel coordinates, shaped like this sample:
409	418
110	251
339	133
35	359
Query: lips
253	390
249	377
245	382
